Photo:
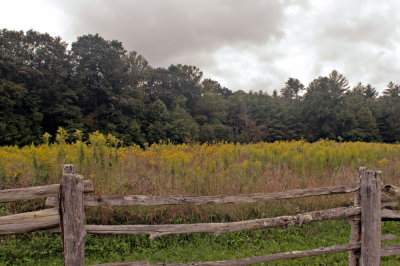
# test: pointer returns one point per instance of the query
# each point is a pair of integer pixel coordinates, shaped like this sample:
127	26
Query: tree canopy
97	85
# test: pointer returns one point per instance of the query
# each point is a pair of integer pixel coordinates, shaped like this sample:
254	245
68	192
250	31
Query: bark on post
72	217
355	222
370	192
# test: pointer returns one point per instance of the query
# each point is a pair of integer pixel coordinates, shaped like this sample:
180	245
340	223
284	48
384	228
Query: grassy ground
46	249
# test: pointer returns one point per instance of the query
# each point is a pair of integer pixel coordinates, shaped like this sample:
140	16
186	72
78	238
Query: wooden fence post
355	222
370	192
72	217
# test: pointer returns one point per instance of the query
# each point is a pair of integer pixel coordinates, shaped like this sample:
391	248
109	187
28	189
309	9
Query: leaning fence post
72	217
370	192
355	222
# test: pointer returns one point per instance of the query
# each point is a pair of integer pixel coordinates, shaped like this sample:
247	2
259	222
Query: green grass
46	249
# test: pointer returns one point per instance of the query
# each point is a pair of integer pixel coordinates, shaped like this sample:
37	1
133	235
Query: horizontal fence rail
30	193
156	231
45	219
220	228
208	200
29	221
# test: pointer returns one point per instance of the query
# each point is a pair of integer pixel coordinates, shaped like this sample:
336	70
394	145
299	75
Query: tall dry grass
197	169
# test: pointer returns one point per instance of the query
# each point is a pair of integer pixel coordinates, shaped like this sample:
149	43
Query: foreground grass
46	249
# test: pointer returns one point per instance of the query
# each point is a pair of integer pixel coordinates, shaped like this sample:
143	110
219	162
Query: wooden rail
30	193
30	221
208	200
68	217
219	228
155	231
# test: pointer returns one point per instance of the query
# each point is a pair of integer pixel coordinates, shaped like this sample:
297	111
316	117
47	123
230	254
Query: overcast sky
249	45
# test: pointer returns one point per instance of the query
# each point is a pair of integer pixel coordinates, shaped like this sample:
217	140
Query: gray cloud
360	41
255	44
167	30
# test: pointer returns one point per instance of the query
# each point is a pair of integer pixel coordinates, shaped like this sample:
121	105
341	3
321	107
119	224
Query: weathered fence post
355	222
72	217
370	192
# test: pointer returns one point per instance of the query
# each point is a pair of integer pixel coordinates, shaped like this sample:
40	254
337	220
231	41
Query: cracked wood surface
208	200
29	193
29	221
219	228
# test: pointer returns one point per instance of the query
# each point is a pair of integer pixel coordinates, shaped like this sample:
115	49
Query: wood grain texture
72	218
219	228
390	250
390	192
273	257
101	229
390	215
208	200
390	204
29	193
29	221
355	223
370	192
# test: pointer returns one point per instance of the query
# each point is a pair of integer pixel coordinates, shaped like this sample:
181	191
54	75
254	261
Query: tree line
96	85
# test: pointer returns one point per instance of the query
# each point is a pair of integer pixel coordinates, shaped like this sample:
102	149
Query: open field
194	169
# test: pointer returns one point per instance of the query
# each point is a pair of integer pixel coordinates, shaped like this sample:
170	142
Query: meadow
193	169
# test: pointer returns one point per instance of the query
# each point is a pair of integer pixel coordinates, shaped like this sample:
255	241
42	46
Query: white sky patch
238	65
353	37
38	15
244	68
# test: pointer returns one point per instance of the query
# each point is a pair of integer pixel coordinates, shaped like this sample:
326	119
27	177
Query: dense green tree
356	121
36	65
169	84
155	124
54	82
291	106
387	115
137	69
213	87
182	128
210	112
321	106
367	127
392	91
13	124
292	89
367	92
210	109
99	66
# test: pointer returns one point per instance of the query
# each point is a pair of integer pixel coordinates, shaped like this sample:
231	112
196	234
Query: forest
95	85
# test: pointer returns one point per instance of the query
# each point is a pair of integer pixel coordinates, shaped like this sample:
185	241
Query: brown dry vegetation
197	169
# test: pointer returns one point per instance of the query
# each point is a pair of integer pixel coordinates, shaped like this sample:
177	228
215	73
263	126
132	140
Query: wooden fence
372	204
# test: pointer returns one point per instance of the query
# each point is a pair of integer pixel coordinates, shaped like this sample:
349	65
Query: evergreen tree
387	116
322	104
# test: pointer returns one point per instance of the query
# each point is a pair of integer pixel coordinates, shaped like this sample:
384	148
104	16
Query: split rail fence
373	203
